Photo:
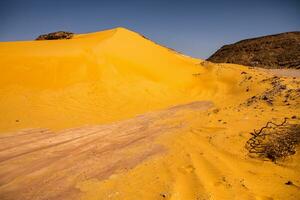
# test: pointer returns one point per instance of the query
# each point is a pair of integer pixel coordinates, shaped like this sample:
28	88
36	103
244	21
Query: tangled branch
274	141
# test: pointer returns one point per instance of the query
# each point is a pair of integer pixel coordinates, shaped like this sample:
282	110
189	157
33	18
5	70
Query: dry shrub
274	141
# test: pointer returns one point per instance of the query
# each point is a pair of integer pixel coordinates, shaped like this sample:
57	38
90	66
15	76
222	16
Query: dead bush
274	141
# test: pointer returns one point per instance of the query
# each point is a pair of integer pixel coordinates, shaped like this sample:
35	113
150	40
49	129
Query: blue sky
196	28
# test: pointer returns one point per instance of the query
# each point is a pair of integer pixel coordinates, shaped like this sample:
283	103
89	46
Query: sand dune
88	80
113	115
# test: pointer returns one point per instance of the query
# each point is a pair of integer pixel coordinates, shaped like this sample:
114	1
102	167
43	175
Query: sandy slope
91	79
190	146
207	159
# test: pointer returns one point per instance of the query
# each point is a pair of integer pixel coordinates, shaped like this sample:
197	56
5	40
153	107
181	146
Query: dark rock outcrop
272	51
60	35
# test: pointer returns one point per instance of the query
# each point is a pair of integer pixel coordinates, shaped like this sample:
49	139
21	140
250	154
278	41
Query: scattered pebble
216	110
289	183
164	195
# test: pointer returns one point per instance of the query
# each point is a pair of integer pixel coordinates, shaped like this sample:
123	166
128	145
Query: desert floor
112	115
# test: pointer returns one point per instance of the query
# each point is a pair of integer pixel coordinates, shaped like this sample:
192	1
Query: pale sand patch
284	72
41	164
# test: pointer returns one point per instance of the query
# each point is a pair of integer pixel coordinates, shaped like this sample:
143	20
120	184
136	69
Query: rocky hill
59	35
272	51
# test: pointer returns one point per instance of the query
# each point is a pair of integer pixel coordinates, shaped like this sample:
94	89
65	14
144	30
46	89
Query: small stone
289	183
163	195
283	87
216	110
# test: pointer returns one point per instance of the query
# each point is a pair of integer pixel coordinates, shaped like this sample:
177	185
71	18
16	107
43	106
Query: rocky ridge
272	51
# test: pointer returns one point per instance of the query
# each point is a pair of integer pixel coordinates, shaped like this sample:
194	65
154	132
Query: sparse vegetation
274	141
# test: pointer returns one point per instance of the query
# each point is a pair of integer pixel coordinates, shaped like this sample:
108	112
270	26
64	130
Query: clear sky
194	27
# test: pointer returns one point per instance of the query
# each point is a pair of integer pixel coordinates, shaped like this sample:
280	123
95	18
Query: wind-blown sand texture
112	115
